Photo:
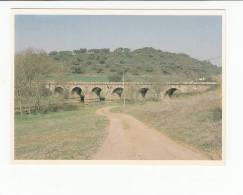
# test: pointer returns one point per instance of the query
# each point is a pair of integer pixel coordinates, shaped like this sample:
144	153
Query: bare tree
31	68
156	82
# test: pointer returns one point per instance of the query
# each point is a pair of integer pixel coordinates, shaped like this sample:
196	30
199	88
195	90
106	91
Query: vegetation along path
130	139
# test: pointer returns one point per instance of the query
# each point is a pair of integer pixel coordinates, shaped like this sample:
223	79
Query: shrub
149	69
99	70
58	108
122	61
135	72
53	53
78	69
113	70
102	61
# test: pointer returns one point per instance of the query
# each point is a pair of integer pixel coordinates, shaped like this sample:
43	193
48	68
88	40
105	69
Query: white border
128	179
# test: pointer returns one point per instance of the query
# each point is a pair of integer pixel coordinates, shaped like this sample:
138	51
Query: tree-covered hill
145	64
140	65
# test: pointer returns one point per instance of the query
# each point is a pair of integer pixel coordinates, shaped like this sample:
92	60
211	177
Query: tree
80	51
122	50
31	67
118	50
65	53
156	82
78	69
105	50
53	53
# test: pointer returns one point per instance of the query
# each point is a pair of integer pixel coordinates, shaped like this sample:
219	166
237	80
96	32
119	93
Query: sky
198	36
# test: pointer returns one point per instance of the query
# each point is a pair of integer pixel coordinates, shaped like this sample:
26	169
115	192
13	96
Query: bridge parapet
192	83
129	83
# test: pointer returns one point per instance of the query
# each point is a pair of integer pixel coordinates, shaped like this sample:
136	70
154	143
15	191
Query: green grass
80	78
63	135
104	77
194	120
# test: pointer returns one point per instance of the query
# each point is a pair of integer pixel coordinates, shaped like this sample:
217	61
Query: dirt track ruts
131	139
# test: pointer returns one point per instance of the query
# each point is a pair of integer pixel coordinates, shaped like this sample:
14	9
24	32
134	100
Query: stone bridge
98	91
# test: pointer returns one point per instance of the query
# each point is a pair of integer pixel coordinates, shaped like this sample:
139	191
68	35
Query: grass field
80	78
192	119
105	78
195	120
99	78
62	135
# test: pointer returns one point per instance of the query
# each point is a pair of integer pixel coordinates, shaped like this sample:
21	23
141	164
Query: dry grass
195	120
62	135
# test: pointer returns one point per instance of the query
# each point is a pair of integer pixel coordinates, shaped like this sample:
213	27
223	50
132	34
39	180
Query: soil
131	139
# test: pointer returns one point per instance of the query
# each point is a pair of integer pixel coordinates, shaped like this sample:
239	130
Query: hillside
139	65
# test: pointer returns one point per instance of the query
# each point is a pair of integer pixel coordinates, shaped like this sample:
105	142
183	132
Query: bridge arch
143	91
59	90
77	91
97	91
118	91
171	91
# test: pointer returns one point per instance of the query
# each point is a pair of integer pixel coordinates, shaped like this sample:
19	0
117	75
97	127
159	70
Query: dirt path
130	139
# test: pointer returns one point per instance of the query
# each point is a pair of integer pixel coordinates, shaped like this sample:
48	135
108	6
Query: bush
149	69
78	70
135	72
99	70
58	108
113	70
53	53
102	61
122	61
91	56
119	72
79	59
80	51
